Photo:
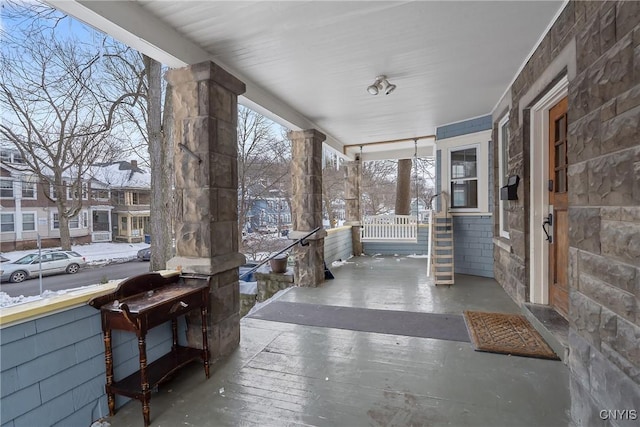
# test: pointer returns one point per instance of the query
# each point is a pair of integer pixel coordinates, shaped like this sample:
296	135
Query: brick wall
604	200
52	369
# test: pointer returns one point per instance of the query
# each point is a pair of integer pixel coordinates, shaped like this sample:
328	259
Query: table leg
205	340
144	379
174	332
108	359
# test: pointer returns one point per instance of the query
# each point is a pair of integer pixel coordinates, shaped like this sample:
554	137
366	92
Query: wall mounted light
381	85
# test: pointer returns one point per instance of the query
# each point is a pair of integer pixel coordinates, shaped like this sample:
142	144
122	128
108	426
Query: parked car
3	259
53	261
144	254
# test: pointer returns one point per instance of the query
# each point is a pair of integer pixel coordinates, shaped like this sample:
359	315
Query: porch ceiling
307	64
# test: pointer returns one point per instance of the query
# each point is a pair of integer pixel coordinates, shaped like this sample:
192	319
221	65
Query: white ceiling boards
309	63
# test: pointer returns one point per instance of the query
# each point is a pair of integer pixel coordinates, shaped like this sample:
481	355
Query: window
73	193
135	199
85	220
5	156
17	158
123	223
503	171
55	221
28	222
7	222
99	194
464	178
74	222
29	190
118	197
6	188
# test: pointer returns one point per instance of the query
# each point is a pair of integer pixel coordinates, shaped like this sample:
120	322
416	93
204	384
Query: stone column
206	180
352	179
306	206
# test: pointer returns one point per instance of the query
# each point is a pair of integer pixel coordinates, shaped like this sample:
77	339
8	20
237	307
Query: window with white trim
7	223
29	189
100	194
464	177
503	173
28	221
72	191
85	219
6	188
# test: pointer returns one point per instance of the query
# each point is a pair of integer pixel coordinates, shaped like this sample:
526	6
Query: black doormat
449	327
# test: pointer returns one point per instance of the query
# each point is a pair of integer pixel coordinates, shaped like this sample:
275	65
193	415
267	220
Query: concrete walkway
287	375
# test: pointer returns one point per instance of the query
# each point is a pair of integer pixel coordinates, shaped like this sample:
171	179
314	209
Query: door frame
538	192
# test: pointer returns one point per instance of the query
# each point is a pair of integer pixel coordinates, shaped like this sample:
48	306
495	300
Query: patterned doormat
506	333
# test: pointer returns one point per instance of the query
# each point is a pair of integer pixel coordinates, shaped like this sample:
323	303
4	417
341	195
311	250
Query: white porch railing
389	227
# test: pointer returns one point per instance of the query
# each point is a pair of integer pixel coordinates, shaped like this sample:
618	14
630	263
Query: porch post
353	177
306	203
206	181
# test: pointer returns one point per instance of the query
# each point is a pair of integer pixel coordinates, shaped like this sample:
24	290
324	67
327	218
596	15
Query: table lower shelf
157	371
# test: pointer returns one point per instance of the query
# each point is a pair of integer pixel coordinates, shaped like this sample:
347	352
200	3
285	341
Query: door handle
548	221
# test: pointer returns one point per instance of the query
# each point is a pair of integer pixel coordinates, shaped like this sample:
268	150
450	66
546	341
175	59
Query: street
86	276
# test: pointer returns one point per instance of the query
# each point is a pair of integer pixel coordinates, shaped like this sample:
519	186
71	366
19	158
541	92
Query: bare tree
378	186
263	162
55	111
332	189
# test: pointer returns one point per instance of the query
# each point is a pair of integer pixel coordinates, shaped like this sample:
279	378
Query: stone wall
604	201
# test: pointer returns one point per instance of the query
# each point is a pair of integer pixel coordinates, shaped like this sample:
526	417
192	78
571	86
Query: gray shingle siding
473	245
52	368
399	248
338	246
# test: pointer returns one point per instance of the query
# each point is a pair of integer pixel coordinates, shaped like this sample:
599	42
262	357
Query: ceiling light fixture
381	85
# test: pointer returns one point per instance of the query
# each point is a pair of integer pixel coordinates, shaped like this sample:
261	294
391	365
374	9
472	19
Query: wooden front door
558	222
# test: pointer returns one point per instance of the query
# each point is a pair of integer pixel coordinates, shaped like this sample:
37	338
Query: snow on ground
96	254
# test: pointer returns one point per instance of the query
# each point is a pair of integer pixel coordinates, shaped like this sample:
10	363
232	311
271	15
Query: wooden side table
139	304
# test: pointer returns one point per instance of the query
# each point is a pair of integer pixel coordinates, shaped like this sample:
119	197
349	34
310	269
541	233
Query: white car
53	261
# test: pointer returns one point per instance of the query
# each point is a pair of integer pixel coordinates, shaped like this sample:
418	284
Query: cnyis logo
619	414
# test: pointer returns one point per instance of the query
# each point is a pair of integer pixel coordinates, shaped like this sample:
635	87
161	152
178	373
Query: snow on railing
390	227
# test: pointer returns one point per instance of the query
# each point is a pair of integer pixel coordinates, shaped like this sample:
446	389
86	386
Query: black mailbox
510	191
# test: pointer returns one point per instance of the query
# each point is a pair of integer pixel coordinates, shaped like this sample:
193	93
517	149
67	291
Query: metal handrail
300	240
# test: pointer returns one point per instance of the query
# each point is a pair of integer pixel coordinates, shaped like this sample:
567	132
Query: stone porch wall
52	369
604	200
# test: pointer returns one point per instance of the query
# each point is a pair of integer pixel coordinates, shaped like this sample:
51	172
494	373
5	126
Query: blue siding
52	368
464	128
338	246
399	248
473	245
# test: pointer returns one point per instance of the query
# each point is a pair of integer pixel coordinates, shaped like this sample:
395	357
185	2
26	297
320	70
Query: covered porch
289	374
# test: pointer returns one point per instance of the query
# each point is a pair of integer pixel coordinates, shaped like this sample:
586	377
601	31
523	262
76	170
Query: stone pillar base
224	294
356	240
309	263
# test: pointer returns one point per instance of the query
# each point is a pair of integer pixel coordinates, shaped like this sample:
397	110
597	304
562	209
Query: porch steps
442	250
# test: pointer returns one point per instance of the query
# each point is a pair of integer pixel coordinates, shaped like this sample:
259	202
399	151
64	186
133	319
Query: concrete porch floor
285	374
